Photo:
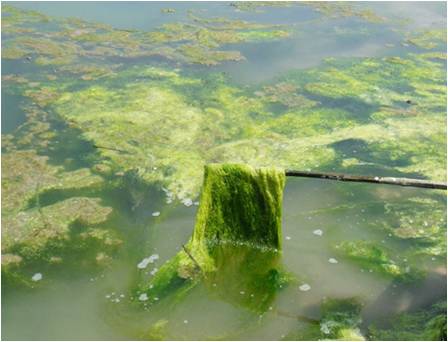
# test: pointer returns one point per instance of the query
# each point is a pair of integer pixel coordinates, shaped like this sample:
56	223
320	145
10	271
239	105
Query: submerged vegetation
110	119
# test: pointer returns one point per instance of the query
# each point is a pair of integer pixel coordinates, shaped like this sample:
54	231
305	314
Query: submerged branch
419	183
301	318
191	257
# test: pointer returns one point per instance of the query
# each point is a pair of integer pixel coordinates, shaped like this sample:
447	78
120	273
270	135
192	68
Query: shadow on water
12	114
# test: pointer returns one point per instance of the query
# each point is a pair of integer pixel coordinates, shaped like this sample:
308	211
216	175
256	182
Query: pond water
111	110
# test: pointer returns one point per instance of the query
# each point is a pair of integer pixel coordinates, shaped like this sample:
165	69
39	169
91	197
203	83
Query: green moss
237	232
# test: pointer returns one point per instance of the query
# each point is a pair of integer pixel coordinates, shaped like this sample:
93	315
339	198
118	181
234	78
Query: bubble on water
287	237
185	321
146	261
143	264
154	271
304	287
187	202
242	292
196	203
318	232
433	259
332	261
143	297
107	296
156	213
122	295
37	277
270	308
156	298
325	328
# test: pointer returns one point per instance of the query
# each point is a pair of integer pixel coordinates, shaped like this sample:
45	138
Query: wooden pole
419	183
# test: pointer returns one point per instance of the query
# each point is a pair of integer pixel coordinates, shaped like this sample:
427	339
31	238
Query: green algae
286	94
377	90
195	41
340	320
421	220
34	232
428	39
373	257
424	325
237	231
334	10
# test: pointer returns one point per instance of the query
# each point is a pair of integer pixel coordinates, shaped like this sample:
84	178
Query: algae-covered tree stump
236	243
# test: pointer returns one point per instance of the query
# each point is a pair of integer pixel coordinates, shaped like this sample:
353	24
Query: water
102	127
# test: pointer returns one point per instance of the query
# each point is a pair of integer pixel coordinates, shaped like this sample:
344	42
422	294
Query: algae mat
109	117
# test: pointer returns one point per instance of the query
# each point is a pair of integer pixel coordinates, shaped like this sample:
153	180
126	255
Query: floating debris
36	277
187	202
146	261
156	213
154	271
332	261
318	232
304	287
143	297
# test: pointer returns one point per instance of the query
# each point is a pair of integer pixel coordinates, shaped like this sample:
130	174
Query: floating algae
424	325
124	94
340	320
374	257
237	231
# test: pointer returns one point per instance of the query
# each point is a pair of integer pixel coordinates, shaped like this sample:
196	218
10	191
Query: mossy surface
236	242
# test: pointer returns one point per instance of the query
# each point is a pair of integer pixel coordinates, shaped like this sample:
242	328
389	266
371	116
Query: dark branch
419	183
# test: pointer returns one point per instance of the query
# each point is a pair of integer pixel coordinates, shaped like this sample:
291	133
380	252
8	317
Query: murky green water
108	120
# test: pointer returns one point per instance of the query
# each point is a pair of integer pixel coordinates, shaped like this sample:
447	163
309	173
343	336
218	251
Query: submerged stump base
235	248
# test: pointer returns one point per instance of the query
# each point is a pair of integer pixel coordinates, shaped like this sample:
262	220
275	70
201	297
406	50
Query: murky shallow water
73	304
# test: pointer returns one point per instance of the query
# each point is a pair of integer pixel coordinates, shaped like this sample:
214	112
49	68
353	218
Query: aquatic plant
340	320
373	257
195	42
424	325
